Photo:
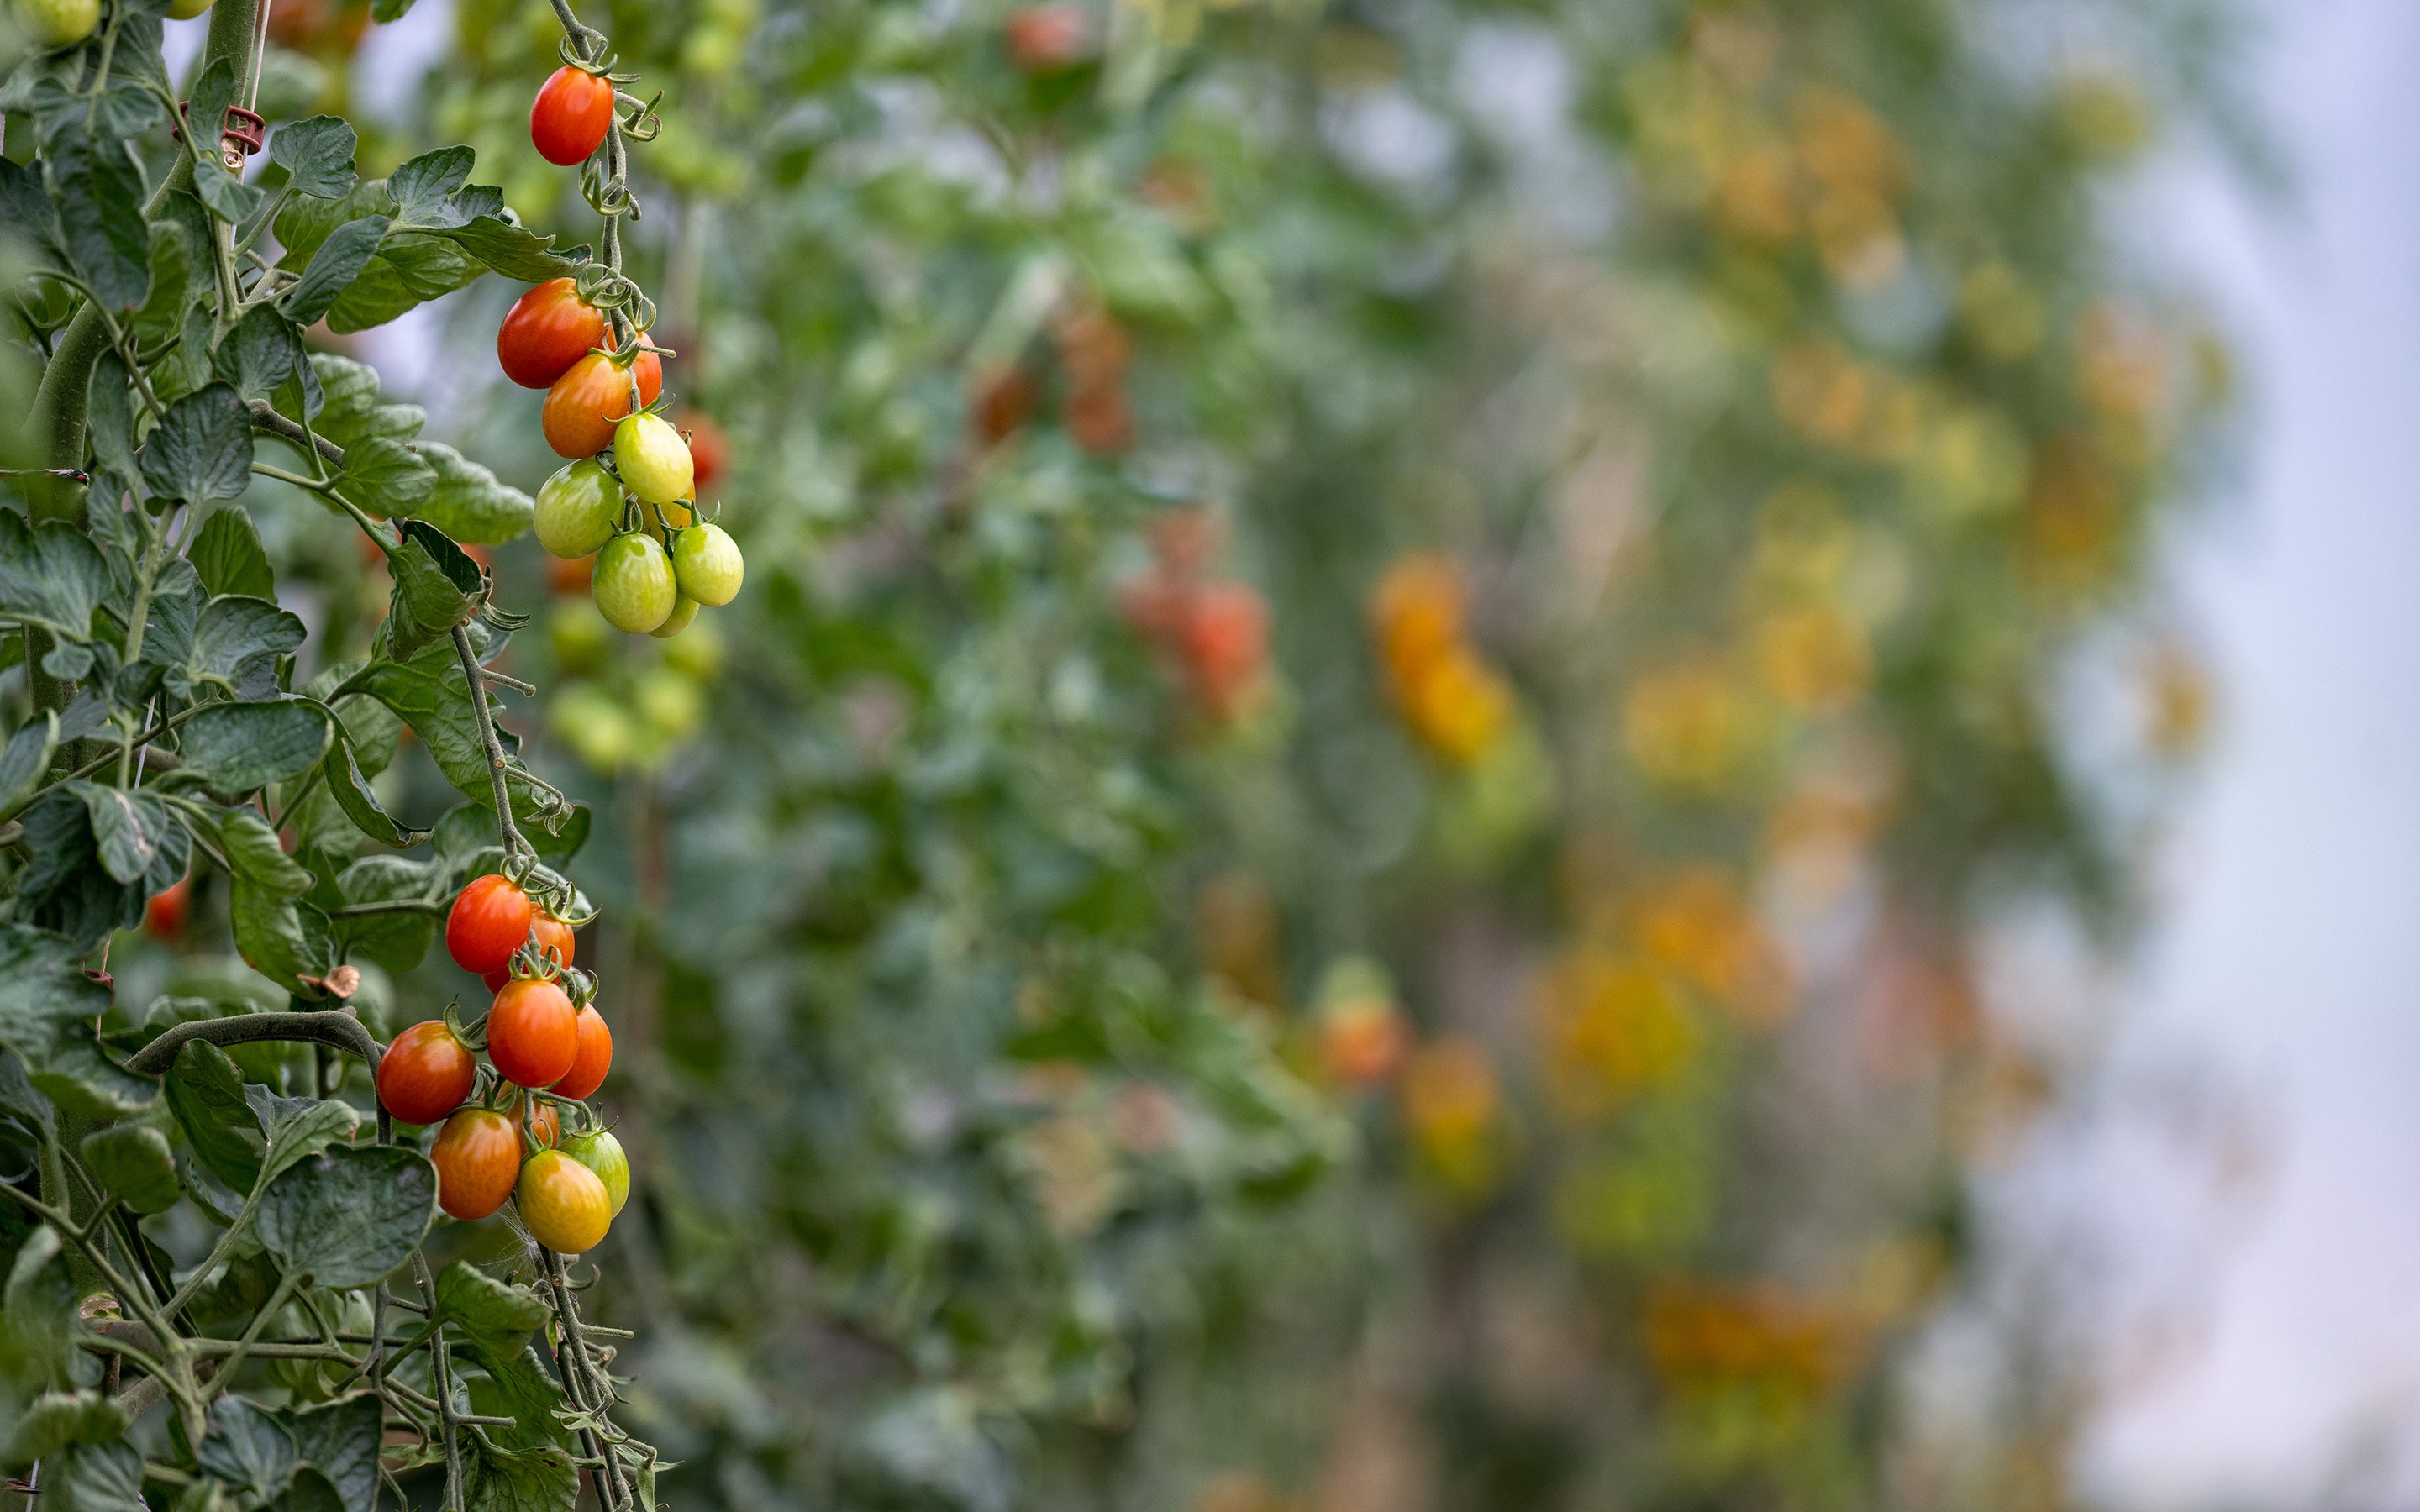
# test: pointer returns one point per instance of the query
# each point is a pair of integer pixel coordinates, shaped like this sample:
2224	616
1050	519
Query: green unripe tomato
684	610
578	636
59	23
653	459
598	730
698	653
602	1153
632	583
668	704
186	9
708	563
577	508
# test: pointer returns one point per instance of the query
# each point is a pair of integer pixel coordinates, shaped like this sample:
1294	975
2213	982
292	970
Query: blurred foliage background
1406	667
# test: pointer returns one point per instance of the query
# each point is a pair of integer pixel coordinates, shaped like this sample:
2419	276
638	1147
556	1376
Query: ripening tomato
633	584
707	563
572	114
653	459
577	508
59	23
547	330
684	610
426	1073
592	396
1047	39
709	449
565	575
1100	419
544	1123
552	934
532	1033
602	1153
1226	642
164	916
592	1061
489	921
478	1157
564	1203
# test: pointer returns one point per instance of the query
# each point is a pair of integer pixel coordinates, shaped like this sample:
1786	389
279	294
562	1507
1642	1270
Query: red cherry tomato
532	1034
478	1157
591	396
426	1073
164	916
547	330
593	1059
570	116
552	934
488	923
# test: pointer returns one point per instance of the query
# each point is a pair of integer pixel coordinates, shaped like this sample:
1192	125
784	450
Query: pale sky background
2292	950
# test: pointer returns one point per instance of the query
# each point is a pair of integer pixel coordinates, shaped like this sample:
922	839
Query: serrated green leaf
52	575
240	747
228	556
247	1450
423	186
204	1095
172	270
297	1128
48	1008
351	409
138	842
333	268
261	352
26	757
101	196
289	943
341	1439
385	477
437	587
428	691
201	450
468	504
317	155
399	940
228	197
349	1215
409	269
109	416
235	644
58	1419
94	1477
348	778
514	251
535	1480
135	1161
65	887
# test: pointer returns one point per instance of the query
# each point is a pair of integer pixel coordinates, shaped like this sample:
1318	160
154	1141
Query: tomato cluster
1212	632
542	1037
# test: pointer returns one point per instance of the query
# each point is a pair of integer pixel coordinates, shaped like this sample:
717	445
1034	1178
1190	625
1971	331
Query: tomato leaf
347	1216
27	756
48	1008
334	268
109	418
341	1441
350	409
100	194
425	186
427	690
468	503
205	1094
201	450
514	251
228	555
317	156
134	1161
385	477
95	1477
25	209
172	268
66	887
247	1450
261	352
409	269
236	642
229	198
139	841
534	1480
240	747
298	1127
52	575
348	785
289	943
53	1421
397	941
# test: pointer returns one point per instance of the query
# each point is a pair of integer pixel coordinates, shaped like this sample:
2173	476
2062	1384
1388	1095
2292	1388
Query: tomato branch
335	1027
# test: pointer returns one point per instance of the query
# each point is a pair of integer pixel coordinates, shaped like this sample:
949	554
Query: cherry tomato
164	916
633	584
544	1123
577	508
564	1203
707	563
478	1157
1100	419
593	1059
426	1073
488	923
552	934
59	23
684	610
566	576
592	396
602	1153
653	459
547	330
570	116
532	1034
1047	39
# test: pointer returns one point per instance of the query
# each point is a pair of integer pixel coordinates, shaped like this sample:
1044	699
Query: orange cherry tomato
547	330
552	934
594	1058
164	916
478	1157
572	114
564	1203
532	1033
592	396
426	1073
488	923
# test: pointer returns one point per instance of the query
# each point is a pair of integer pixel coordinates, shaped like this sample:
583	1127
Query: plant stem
337	1028
476	676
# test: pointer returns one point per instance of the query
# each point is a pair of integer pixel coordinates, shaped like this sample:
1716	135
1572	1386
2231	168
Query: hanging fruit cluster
1212	633
626	497
499	1127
